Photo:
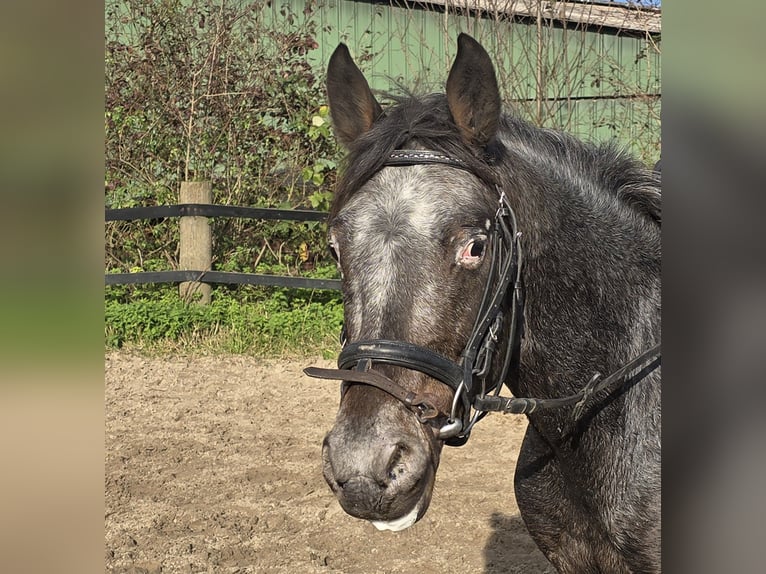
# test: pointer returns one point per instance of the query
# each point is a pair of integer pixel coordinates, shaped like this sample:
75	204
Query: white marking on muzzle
400	523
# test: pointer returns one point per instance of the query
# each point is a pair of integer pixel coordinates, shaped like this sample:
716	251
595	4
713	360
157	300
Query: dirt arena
213	465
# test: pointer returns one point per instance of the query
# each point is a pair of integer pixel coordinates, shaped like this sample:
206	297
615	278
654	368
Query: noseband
469	378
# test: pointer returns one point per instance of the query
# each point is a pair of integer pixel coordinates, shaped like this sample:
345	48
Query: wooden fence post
195	242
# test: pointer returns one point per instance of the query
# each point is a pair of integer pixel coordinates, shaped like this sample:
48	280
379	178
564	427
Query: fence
195	244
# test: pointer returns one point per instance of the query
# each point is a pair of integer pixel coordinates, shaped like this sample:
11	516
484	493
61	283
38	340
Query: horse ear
472	93
353	108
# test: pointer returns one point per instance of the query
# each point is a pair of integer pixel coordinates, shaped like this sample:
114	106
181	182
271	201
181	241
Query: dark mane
606	165
426	120
632	182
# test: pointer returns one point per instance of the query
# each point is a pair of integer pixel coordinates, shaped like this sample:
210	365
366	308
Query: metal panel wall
597	84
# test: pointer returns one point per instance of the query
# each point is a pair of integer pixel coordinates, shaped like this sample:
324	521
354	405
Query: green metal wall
596	84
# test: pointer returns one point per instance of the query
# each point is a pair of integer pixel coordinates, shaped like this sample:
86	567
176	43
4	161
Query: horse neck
591	275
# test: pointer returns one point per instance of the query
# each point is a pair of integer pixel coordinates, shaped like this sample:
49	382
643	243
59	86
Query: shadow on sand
510	549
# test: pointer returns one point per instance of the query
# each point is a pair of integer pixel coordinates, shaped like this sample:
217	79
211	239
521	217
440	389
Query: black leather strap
419	403
646	361
403	157
402	354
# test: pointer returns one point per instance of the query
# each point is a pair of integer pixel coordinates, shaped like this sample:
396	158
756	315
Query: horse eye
472	253
477	248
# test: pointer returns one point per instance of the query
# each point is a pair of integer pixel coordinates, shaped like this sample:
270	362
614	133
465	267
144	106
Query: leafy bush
220	92
292	321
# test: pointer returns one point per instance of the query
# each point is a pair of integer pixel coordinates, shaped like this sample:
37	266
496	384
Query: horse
475	251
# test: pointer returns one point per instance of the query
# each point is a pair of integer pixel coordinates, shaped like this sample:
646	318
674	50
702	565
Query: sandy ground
213	465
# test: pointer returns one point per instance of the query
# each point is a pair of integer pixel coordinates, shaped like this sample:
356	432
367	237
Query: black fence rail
208	276
211	210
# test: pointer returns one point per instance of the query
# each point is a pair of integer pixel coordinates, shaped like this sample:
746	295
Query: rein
469	378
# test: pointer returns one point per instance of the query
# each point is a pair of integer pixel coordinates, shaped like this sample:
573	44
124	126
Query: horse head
411	232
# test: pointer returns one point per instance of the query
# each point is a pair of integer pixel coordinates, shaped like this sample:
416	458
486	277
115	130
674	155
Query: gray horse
439	197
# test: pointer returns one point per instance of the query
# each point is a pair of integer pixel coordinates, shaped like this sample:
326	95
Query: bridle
469	379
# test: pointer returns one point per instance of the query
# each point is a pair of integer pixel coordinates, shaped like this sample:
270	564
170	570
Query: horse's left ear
472	93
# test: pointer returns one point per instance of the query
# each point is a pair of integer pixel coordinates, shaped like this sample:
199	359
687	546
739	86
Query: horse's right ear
353	108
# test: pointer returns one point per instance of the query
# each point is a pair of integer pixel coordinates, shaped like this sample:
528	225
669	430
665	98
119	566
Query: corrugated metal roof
619	16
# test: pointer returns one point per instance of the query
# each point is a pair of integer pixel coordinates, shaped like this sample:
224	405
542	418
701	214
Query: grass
256	321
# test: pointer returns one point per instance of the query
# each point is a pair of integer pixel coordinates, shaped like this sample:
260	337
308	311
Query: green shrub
220	92
294	321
